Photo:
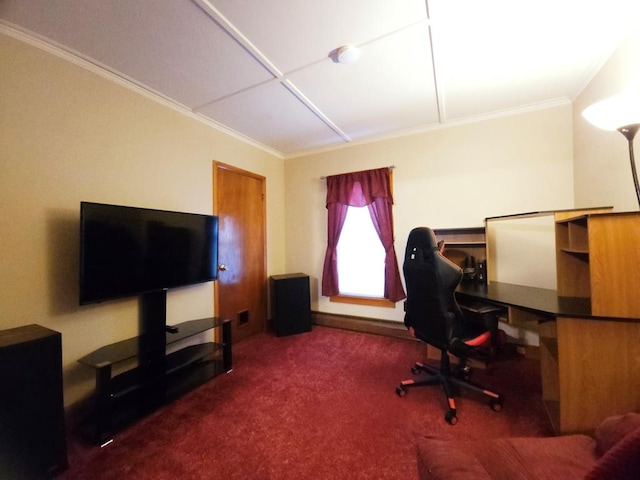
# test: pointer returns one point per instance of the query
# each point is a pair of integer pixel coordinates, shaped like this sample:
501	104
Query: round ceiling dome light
348	54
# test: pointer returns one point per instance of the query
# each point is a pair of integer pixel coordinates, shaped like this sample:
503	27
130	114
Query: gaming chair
433	313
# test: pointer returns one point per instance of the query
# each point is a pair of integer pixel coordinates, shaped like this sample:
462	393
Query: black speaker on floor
32	432
290	303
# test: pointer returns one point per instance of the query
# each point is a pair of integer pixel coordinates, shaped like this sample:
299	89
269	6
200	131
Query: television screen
127	251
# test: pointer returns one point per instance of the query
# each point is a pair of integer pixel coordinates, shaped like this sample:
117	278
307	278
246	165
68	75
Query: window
360	256
351	198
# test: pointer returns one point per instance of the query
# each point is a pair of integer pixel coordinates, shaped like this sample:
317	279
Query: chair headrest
422	238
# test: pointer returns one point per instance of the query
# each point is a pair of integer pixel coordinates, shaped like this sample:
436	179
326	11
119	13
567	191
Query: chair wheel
415	370
451	418
462	372
496	405
401	391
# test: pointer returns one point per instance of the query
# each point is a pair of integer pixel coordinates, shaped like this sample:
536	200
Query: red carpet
319	405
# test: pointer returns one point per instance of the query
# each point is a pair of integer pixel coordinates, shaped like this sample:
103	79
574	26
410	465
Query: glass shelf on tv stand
183	369
129	348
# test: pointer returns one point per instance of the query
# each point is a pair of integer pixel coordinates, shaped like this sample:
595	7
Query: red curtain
373	189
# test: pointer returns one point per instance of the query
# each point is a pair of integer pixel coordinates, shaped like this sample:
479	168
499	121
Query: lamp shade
614	112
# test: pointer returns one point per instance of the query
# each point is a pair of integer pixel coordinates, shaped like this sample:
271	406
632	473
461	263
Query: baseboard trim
362	324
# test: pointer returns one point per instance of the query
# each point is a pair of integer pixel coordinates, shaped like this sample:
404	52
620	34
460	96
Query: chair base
451	382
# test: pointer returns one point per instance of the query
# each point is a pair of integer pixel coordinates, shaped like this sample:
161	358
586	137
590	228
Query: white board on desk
522	251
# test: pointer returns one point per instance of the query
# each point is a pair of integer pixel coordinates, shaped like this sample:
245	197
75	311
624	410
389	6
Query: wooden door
240	293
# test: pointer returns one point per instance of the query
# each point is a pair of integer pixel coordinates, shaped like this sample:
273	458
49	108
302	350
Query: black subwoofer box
290	303
32	431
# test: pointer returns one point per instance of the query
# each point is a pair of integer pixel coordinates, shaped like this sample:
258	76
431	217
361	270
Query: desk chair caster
496	403
401	391
450	417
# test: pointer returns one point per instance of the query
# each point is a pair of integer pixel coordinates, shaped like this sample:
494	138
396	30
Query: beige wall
68	134
453	177
602	169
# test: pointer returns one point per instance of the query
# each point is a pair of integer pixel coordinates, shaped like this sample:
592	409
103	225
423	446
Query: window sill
370	301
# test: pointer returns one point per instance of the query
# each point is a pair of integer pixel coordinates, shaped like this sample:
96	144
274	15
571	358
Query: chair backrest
431	280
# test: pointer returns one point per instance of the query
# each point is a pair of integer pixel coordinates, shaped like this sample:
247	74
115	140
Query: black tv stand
156	378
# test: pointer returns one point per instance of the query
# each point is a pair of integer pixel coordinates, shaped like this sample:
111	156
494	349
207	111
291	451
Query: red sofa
613	453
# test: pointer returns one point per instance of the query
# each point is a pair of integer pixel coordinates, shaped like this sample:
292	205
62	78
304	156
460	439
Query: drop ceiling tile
295	33
171	47
273	116
504	55
390	87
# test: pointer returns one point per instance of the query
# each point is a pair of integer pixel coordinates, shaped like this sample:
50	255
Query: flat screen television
130	251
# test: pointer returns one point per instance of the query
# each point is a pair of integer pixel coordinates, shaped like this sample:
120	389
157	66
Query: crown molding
435	126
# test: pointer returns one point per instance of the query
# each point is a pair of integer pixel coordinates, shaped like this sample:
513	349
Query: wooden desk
590	364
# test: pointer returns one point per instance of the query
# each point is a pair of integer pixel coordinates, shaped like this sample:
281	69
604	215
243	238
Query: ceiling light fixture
348	54
621	113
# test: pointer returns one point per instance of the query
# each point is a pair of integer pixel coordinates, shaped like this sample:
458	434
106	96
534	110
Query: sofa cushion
566	457
614	453
443	459
621	461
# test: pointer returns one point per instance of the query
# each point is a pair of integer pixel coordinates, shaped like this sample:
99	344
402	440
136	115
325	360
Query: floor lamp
621	113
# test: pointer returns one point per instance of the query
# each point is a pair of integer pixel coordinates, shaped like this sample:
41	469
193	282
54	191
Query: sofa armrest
622	461
613	429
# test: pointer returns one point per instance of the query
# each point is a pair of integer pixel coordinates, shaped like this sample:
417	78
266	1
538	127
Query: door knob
222	268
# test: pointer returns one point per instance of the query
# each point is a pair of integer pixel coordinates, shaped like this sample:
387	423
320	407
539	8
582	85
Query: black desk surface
540	300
